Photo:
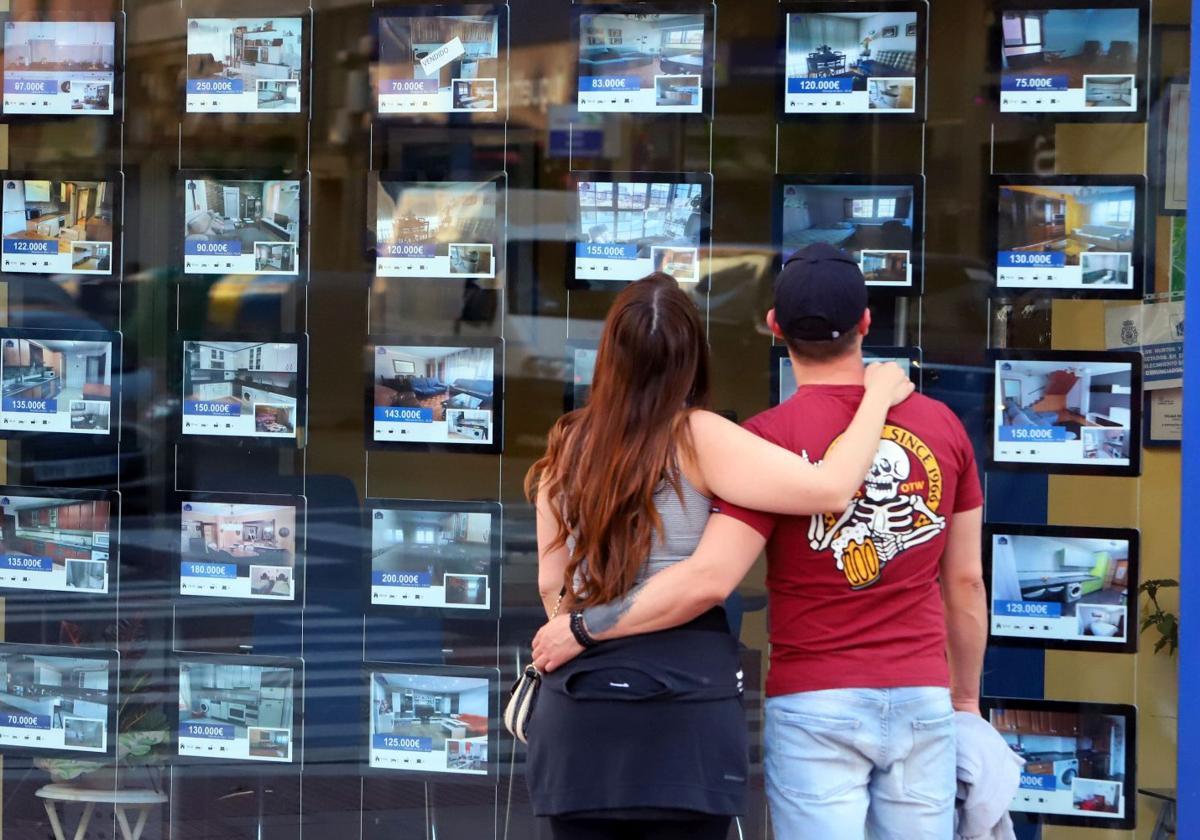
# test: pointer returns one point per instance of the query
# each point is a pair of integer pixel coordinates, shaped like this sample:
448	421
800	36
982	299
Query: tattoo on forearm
604	617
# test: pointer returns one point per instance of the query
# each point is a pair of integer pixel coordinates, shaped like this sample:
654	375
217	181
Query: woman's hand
890	380
555	645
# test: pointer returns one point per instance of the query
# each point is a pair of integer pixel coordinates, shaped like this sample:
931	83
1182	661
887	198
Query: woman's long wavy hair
605	461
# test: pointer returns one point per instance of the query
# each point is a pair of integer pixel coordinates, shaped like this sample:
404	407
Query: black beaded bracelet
579	631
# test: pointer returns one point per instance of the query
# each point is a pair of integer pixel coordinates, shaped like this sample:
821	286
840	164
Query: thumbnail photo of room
1076	759
405	42
1087	578
663	220
258	540
1088	402
75	58
456	218
77	375
1091	226
876	51
1078	44
71	693
71	533
262	216
440	379
448	550
449	714
250	50
261	378
255	699
78	215
647	47
872	223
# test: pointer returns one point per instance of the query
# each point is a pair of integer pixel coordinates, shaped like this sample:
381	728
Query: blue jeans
849	763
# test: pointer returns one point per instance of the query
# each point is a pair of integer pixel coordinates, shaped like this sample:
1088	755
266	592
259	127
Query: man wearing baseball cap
878	619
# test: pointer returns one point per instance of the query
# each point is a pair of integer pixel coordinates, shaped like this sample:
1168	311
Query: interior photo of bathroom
456	218
72	533
67	212
875	50
76	375
71	693
448	549
262	216
644	46
1087	578
405	41
258	540
449	714
254	699
1074	43
874	221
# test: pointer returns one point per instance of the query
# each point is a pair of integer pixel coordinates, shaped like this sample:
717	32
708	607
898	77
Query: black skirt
647	722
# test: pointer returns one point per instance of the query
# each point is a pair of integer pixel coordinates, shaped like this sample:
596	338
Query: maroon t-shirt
854	595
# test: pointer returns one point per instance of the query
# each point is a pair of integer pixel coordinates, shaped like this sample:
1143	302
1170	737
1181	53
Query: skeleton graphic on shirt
887	512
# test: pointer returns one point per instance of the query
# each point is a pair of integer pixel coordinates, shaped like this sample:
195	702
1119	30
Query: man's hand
555	645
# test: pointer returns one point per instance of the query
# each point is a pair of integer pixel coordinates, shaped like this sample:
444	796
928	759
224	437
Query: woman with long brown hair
645	737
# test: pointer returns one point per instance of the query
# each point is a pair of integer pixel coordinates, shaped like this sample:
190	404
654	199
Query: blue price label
1027	609
1033	434
222	86
410	86
215	731
212	408
24	720
408	249
25	563
420	580
226	571
1033	82
30	246
609	84
1031	259
1037	781
393	414
37	87
403	743
606	250
213	248
26	405
830	85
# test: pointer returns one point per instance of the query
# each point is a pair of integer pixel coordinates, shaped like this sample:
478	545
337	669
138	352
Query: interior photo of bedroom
69	212
448	549
644	46
440	214
1091	226
856	218
669	216
1087	578
72	693
449	714
71	533
258	377
435	378
248	49
404	42
1088	402
248	697
75	374
859	46
258	540
1071	42
262	216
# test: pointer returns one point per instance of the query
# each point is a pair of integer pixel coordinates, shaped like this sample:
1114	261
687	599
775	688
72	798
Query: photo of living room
71	380
58	67
252	703
435	378
411	66
250	386
429	722
228	58
645	47
431	558
436	229
256	223
248	548
1080	222
872	223
68	539
1074	43
67	696
76	215
872	52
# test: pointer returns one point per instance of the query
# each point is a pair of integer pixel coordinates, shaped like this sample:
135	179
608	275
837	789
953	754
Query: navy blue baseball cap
820	294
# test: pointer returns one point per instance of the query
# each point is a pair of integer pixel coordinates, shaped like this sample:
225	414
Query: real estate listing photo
245	49
75	57
258	541
73	377
645	46
1075	43
455	219
261	379
439	379
72	534
262	217
70	694
875	51
78	215
873	223
1089	401
449	714
254	699
658	218
448	549
407	42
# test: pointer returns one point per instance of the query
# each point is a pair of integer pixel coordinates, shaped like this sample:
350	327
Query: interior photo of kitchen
259	377
260	540
442	709
647	215
853	217
1070	42
246	696
436	378
77	55
644	46
1073	398
67	212
71	532
1071	220
404	41
72	692
248	49
1083	753
857	46
453	548
77	374
438	214
252	213
1088	578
